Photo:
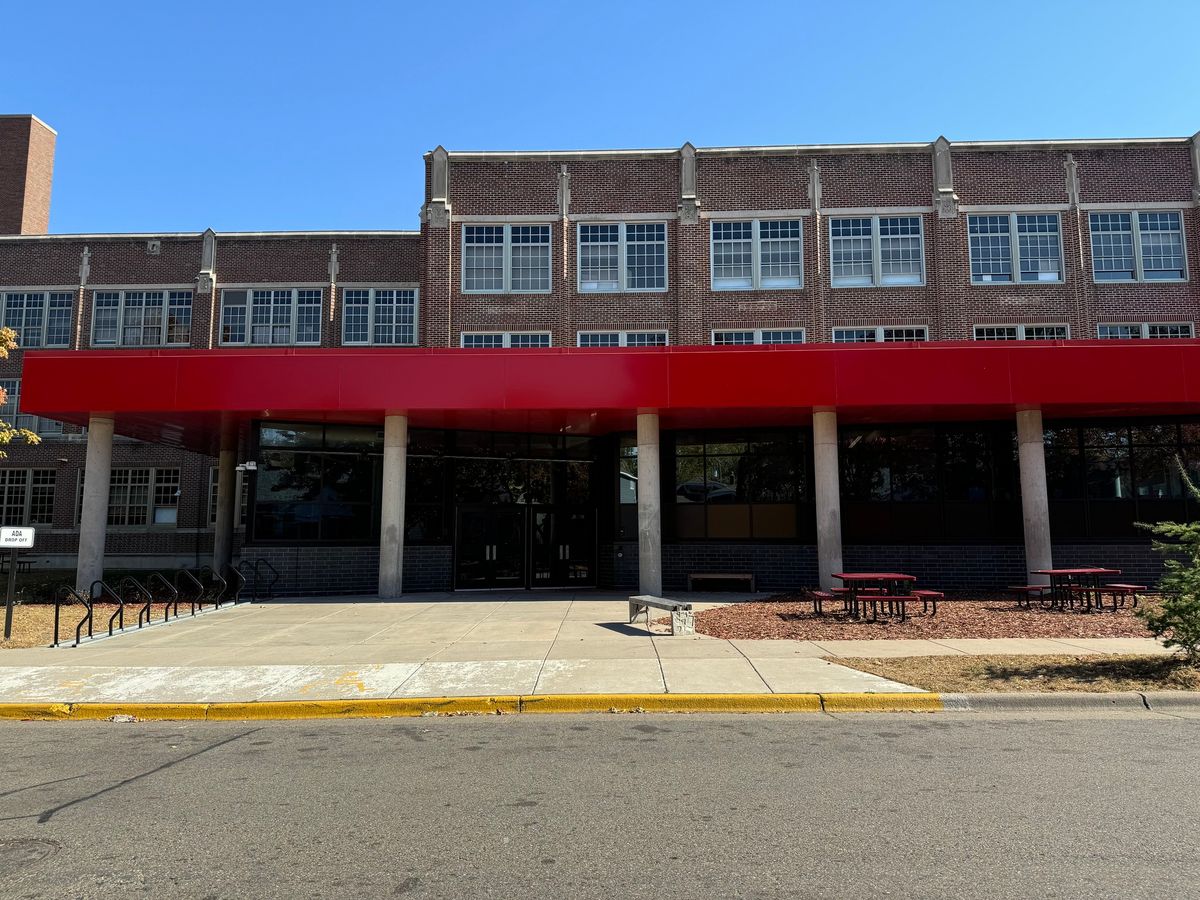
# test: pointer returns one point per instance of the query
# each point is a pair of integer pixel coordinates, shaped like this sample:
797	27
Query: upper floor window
379	316
27	496
876	250
495	340
621	256
141	318
622	338
1021	332
1036	255
885	334
12	403
40	319
757	254
499	259
735	337
1138	330
1153	251
280	316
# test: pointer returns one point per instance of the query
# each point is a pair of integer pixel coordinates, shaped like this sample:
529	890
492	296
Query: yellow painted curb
681	703
900	702
158	712
38	711
361	709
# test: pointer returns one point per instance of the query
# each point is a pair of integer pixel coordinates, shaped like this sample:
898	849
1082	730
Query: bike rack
193	588
254	568
99	595
129	583
274	576
170	592
234	584
66	592
219	584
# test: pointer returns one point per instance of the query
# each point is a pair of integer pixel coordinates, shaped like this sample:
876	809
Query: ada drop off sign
16	538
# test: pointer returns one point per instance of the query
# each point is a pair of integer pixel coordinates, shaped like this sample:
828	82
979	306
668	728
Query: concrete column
1035	503
391	525
649	501
227	498
828	495
93	516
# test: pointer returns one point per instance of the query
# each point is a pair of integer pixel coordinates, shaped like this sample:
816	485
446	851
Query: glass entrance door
489	547
562	548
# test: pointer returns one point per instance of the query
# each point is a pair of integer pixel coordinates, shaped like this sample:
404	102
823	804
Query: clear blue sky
261	116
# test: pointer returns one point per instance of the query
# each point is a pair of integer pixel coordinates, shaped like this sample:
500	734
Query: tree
1176	619
8	430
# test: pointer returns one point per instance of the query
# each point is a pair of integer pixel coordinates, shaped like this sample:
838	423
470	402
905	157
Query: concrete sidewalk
456	645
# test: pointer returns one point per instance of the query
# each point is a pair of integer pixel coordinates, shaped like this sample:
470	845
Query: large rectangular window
870	251
9	411
40	319
495	340
379	316
271	316
622	338
1143	246
140	497
883	334
27	496
1137	330
502	259
1036	256
757	254
734	337
621	256
1021	332
141	318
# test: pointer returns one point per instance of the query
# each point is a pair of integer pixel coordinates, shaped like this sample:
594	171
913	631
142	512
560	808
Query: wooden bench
683	620
719	576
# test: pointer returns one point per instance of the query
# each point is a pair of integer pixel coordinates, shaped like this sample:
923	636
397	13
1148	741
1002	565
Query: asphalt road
893	805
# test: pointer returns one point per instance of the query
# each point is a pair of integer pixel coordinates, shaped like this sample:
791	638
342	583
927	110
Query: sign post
13	539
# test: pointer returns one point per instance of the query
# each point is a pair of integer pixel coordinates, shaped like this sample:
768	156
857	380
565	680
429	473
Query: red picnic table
889	583
1087	578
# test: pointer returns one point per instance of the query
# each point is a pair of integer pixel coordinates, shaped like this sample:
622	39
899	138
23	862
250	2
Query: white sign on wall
16	538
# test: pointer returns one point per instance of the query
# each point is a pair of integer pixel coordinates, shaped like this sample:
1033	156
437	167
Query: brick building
960	360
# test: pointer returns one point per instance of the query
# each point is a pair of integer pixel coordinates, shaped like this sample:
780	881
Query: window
876	250
759	336
623	257
757	254
1134	330
381	316
622	338
1037	255
9	414
26	496
884	334
241	486
39	319
140	496
501	259
1021	332
494	340
1151	252
141	318
276	316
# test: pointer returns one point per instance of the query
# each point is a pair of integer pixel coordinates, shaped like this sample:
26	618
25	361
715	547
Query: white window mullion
506	259
755	256
371	317
876	255
1014	245
622	257
1135	223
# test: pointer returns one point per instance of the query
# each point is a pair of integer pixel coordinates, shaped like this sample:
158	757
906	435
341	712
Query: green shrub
1176	619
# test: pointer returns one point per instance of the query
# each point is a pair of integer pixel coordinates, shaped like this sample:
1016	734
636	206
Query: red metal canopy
178	396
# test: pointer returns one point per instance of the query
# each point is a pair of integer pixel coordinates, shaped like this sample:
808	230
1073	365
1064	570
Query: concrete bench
683	620
719	576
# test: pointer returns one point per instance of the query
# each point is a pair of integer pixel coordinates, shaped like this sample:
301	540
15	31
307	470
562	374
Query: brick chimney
26	169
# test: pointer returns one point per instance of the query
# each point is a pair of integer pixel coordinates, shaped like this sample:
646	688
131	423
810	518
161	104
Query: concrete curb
1181	703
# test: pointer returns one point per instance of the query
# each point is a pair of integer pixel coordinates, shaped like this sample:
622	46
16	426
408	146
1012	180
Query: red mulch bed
789	617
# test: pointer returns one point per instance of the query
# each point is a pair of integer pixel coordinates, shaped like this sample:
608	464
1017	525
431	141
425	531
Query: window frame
1021	331
757	337
241	487
506	337
1139	272
623	337
880	334
876	250
151	497
506	248
1144	330
248	324
1014	249
756	276
47	295
164	327
30	422
371	289
30	473
622	257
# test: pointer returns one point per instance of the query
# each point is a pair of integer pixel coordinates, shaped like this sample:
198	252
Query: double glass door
524	547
